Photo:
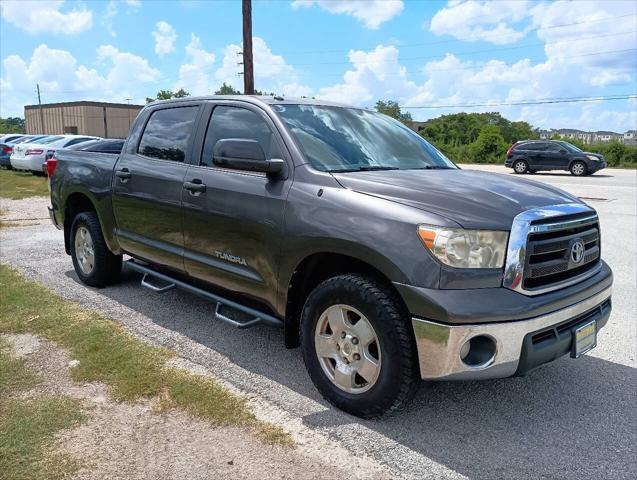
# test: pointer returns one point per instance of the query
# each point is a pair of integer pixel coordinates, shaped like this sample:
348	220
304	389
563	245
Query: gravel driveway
570	419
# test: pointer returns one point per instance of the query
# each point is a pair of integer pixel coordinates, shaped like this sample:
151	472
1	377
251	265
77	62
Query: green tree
391	108
168	94
227	90
490	146
12	125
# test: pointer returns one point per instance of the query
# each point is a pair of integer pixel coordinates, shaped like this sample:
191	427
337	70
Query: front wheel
94	263
578	169
358	346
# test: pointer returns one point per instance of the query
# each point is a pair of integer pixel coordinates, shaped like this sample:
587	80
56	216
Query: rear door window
167	133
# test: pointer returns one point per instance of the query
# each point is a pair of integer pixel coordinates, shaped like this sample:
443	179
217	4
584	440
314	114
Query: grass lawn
18	185
107	353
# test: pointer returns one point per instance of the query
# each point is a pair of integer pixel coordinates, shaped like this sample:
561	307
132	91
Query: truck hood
470	198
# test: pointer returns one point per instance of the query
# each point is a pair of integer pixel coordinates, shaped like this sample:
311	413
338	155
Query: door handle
123	174
196	186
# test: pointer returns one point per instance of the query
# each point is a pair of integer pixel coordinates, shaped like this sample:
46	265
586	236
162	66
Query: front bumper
518	345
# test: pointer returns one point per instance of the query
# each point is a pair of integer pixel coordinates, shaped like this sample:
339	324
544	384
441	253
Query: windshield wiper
431	167
370	168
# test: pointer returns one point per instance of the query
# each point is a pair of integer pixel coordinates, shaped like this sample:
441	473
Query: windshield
337	139
35	139
570	148
47	140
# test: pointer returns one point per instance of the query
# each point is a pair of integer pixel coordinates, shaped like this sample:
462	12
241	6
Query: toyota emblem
577	251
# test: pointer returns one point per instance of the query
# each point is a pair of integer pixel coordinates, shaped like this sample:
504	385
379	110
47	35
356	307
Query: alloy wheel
348	348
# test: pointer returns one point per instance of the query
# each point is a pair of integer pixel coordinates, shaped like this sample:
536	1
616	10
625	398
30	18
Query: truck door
233	221
148	182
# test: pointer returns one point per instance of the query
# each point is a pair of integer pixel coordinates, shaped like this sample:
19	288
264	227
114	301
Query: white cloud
196	76
271	72
375	75
486	21
45	17
372	13
61	78
165	37
134	3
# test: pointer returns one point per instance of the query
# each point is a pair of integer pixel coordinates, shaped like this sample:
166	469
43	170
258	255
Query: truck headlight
593	158
461	248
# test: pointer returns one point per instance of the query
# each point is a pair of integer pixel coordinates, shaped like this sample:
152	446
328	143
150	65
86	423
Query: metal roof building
108	120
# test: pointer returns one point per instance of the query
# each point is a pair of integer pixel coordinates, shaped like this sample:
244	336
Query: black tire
106	266
520	166
578	169
399	375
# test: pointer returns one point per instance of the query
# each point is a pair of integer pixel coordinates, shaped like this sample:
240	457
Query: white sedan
31	156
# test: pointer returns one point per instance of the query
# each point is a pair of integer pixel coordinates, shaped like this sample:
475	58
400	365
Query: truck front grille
550	258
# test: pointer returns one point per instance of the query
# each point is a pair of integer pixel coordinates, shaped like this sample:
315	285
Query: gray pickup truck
384	261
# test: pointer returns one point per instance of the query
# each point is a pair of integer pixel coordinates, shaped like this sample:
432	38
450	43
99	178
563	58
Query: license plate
585	339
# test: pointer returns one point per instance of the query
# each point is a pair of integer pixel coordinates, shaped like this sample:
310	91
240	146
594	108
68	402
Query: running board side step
170	283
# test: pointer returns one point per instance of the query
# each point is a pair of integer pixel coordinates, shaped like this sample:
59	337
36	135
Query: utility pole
248	69
128	102
41	113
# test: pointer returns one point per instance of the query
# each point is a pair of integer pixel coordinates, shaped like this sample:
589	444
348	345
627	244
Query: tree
227	90
392	109
168	94
12	125
490	145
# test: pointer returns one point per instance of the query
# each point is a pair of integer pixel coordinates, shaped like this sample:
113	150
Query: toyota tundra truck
378	256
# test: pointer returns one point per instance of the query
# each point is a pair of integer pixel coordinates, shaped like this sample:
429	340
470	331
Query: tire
102	267
578	169
366	300
520	166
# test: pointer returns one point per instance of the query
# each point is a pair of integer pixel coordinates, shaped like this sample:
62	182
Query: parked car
31	156
6	147
377	255
531	156
11	138
104	145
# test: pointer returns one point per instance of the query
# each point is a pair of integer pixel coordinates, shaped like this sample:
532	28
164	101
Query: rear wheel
358	346
94	263
520	166
578	168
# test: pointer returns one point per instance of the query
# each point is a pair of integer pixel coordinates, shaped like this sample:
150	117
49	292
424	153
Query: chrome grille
541	245
549	254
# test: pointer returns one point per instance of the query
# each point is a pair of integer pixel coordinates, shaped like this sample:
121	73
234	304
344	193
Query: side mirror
244	154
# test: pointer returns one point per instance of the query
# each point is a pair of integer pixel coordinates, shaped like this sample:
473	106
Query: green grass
17	185
28	426
108	353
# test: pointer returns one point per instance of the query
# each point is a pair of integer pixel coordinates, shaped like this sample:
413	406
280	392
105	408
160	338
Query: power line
471	67
441	42
539	101
487	50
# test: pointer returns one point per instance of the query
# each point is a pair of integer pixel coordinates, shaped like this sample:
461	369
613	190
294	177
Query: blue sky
354	51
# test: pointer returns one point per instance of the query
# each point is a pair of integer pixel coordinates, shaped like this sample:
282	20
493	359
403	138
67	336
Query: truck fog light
478	352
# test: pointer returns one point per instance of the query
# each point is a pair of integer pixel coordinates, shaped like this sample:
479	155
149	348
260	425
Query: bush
489	147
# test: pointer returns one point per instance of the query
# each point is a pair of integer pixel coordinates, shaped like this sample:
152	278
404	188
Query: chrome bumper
439	345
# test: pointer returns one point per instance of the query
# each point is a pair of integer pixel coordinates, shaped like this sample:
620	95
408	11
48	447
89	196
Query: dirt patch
136	441
24	212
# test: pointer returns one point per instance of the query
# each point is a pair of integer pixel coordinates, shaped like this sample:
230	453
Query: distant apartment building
600	136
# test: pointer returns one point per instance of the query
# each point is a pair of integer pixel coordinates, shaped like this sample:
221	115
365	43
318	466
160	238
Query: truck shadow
569	419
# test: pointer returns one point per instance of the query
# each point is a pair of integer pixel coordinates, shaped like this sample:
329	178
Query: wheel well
76	203
313	270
